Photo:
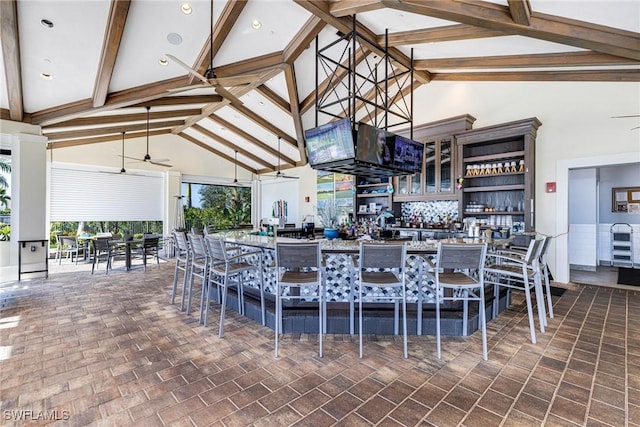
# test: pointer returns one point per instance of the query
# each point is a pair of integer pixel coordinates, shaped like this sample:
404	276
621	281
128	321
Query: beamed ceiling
103	57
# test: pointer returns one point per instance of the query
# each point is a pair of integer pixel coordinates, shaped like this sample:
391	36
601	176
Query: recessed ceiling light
261	103
46	23
163	62
46	76
186	8
256	24
174	38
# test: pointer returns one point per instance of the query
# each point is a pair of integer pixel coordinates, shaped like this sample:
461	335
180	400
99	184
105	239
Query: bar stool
298	265
460	267
229	268
374	257
521	273
199	266
182	256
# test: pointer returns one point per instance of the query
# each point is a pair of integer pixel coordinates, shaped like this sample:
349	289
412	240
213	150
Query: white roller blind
84	195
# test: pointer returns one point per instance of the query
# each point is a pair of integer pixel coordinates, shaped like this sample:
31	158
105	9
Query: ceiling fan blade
226	94
187	67
166	165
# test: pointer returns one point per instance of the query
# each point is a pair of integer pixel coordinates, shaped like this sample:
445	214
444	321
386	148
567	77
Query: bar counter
339	281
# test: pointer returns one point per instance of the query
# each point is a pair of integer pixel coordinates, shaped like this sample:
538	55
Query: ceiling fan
122	169
147	157
279	173
210	79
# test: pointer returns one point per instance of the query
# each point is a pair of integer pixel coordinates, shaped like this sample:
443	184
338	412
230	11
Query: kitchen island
340	289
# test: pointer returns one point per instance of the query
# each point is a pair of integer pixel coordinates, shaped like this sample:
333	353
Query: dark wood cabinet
498	166
437	180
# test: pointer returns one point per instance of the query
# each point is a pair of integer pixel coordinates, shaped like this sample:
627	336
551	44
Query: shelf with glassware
497	187
372	194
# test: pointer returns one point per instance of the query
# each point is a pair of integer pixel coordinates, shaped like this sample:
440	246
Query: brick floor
111	351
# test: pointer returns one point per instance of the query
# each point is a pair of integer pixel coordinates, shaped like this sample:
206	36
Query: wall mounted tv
330	143
374	145
408	154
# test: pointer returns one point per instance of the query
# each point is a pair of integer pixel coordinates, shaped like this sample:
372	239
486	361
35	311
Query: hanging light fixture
235	167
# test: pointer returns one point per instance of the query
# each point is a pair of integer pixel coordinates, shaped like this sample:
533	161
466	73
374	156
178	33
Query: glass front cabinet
437	179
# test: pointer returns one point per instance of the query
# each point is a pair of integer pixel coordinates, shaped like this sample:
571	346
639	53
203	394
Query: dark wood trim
274	98
520	11
292	89
10	40
302	39
544	27
123	118
56	136
107	138
438	34
110	46
543	76
563	59
123	98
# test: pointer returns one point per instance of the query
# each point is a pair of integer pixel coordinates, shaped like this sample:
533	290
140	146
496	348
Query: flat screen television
330	142
374	145
407	155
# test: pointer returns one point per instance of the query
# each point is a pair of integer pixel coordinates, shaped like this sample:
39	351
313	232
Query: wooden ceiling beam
543	76
551	28
250	138
110	46
180	100
123	98
220	31
264	123
214	151
257	65
211	108
292	89
353	7
563	59
107	138
438	34
274	98
10	42
56	136
123	118
206	132
520	11
302	40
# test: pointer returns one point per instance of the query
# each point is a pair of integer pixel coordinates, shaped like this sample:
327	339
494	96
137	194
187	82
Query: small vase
330	233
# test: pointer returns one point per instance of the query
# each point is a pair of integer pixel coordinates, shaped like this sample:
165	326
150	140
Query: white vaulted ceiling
100	88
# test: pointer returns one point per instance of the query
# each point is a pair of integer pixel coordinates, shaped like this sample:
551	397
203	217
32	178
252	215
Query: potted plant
329	217
5	248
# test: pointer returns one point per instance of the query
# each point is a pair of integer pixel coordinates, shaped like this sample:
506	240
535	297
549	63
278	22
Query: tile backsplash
434	211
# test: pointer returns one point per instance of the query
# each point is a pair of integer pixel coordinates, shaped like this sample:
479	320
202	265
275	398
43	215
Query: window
214	205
